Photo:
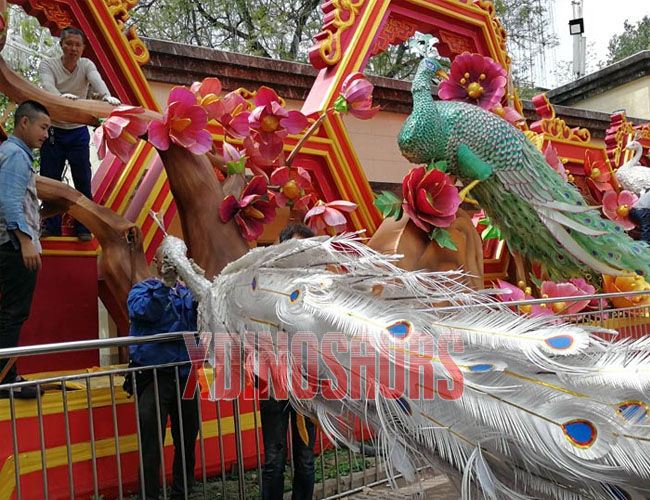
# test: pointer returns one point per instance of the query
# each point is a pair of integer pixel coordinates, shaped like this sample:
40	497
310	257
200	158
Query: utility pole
577	28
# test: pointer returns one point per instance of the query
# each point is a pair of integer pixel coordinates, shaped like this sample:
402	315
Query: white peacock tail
519	407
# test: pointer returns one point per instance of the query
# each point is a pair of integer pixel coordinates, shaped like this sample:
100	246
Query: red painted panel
64	309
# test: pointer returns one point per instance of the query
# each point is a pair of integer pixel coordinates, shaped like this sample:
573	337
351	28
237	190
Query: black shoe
24	392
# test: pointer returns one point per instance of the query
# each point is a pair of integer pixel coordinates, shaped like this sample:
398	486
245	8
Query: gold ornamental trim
344	14
119	9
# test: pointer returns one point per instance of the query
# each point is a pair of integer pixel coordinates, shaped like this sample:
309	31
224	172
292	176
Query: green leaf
341	105
389	204
236	167
490	232
443	238
440	165
536	282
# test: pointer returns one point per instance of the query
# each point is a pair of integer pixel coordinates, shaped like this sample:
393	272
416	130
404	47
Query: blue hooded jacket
155	308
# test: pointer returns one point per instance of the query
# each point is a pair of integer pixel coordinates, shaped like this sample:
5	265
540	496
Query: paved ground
429	488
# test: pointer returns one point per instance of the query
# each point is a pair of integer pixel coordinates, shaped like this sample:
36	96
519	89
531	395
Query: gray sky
603	18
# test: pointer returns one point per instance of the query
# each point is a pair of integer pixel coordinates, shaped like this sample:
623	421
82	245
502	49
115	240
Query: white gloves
113	101
72	97
168	274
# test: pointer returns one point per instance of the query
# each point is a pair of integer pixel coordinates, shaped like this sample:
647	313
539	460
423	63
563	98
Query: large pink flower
598	177
476	79
252	210
357	96
554	161
617	207
551	290
272	123
430	199
120	132
589	290
293	182
329	214
183	123
513	294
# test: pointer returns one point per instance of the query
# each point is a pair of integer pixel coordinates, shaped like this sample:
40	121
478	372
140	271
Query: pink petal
265	96
280	176
251	228
182	95
268	209
257	185
203	143
627	198
98	140
278	110
159	136
228	208
114	125
295	123
364	114
414	217
195	87
198	116
238	126
343	205
351	78
360	90
610	201
303	179
515	292
316	210
230	153
270	150
333	217
210	86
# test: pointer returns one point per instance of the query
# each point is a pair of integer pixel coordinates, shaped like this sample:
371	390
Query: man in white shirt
70	76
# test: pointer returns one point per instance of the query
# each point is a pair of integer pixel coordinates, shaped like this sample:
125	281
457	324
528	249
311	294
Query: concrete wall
633	97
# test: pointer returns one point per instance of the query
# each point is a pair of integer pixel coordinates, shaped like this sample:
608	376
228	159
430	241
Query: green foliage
389	205
634	38
438	165
490	232
443	238
236	167
285	29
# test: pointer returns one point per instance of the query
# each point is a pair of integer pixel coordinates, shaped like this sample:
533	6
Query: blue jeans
71	145
275	423
17	285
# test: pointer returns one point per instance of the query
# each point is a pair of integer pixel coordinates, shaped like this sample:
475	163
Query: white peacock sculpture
545	409
632	175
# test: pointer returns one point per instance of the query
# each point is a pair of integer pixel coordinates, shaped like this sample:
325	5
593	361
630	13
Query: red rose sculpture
430	199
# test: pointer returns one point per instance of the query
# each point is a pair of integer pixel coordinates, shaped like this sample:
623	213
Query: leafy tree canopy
634	38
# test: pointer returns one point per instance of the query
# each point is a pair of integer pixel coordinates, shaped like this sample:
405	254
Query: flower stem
310	131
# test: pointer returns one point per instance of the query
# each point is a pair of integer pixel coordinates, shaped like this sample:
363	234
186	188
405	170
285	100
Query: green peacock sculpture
538	213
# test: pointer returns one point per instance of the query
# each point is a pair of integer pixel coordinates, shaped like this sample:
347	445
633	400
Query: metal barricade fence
81	439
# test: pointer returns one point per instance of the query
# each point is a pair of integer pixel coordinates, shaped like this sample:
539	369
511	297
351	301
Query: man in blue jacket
163	306
20	249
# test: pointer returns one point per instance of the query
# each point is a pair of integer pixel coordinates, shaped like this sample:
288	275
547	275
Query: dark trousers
275	422
71	145
641	216
150	445
17	285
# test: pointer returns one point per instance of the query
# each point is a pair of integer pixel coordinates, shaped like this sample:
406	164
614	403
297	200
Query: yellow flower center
526	309
558	307
595	173
499	111
252	212
622	210
291	189
181	124
270	123
474	90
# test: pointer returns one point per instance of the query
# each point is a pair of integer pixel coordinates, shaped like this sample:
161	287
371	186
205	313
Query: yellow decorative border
329	48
